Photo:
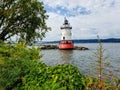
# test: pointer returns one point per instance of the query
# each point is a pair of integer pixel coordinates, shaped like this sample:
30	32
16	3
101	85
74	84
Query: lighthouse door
63	38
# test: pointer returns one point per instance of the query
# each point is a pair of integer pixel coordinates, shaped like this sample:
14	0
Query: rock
56	47
49	47
80	48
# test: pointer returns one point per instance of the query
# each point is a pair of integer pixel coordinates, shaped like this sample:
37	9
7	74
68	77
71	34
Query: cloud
88	18
65	11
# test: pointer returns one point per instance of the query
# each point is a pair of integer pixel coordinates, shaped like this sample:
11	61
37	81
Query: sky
88	18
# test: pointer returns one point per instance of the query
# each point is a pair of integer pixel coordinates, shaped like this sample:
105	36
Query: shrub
15	62
63	77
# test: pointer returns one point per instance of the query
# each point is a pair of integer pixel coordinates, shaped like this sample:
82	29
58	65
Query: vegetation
15	62
23	18
19	70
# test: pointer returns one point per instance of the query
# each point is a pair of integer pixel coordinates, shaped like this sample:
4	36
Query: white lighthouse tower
66	41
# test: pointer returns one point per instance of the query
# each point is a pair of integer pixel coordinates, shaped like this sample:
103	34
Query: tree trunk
2	35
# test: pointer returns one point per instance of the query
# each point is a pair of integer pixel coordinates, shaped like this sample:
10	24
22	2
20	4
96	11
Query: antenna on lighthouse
65	18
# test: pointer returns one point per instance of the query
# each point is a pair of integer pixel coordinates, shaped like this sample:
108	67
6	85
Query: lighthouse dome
66	25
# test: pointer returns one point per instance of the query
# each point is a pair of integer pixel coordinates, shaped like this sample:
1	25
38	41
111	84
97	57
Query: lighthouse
66	41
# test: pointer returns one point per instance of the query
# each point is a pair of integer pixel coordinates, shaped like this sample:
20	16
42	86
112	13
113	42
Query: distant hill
110	40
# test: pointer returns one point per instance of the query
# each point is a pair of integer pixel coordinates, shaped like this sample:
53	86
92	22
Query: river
85	60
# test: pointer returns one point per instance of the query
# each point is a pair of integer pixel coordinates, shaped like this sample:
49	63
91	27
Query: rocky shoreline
44	47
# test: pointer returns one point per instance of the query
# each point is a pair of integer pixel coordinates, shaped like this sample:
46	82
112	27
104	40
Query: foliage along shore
44	47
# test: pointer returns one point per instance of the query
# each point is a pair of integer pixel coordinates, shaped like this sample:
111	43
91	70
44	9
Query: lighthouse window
63	38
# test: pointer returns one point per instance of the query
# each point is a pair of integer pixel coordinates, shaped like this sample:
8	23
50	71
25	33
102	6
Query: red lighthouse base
66	44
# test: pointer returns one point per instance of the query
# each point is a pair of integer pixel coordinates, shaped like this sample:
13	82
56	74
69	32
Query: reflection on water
66	56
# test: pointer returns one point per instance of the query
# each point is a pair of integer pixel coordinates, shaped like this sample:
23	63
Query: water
85	60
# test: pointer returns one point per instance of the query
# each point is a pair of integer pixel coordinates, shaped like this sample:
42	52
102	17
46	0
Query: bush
15	62
60	77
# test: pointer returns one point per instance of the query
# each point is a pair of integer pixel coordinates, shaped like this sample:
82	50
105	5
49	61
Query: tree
101	65
24	18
